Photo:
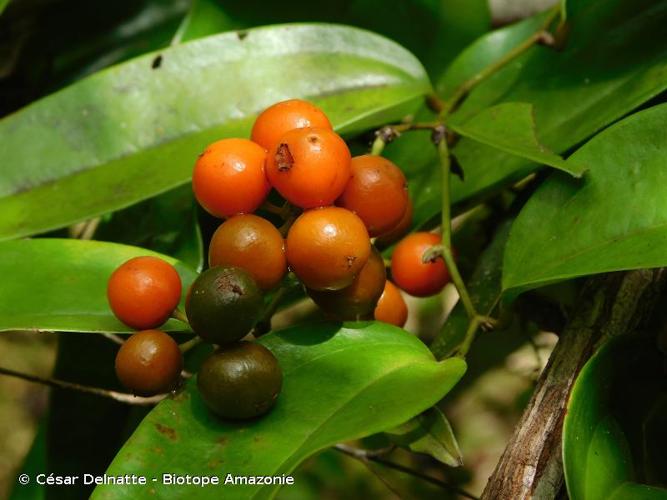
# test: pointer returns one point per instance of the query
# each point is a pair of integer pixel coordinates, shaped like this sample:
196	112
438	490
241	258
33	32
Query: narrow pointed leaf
510	127
577	91
429	433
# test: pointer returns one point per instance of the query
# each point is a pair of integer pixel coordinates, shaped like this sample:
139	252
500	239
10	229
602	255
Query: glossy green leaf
605	435
134	130
510	127
437	30
634	491
340	383
485	51
60	285
615	59
613	219
429	433
3	5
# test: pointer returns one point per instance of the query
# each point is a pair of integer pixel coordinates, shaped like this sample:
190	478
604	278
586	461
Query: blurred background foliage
47	44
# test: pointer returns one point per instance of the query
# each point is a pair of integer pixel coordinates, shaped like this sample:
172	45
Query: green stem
541	35
468	339
180	316
116	339
378	146
263	325
445	165
458	282
193	342
273	209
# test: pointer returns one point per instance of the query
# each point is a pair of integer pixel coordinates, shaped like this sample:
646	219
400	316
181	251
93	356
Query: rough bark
614	304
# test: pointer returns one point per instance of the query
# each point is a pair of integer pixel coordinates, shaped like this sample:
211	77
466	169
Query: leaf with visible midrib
340	383
134	130
615	218
510	127
60	285
576	91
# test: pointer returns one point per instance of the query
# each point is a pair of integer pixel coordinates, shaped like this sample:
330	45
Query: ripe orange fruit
149	363
400	230
327	247
358	300
229	177
143	292
413	275
251	243
309	166
284	116
377	192
391	307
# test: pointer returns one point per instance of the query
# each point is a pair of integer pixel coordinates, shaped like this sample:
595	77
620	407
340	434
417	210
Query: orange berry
400	230
391	307
327	247
229	177
309	167
149	363
251	243
358	300
410	273
284	116
143	292
377	192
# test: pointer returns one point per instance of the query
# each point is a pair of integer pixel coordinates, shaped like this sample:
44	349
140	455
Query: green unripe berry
223	304
240	381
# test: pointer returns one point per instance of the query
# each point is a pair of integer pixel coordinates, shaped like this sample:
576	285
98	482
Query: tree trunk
614	304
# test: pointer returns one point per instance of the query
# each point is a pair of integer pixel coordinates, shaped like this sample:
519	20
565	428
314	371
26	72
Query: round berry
411	273
229	177
143	292
358	300
326	248
240	381
377	192
224	304
149	363
391	307
398	231
284	116
251	243
309	167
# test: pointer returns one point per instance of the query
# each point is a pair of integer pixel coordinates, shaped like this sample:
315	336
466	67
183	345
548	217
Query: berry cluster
333	205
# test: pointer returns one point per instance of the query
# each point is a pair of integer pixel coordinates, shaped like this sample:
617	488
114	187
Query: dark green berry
240	381
223	304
